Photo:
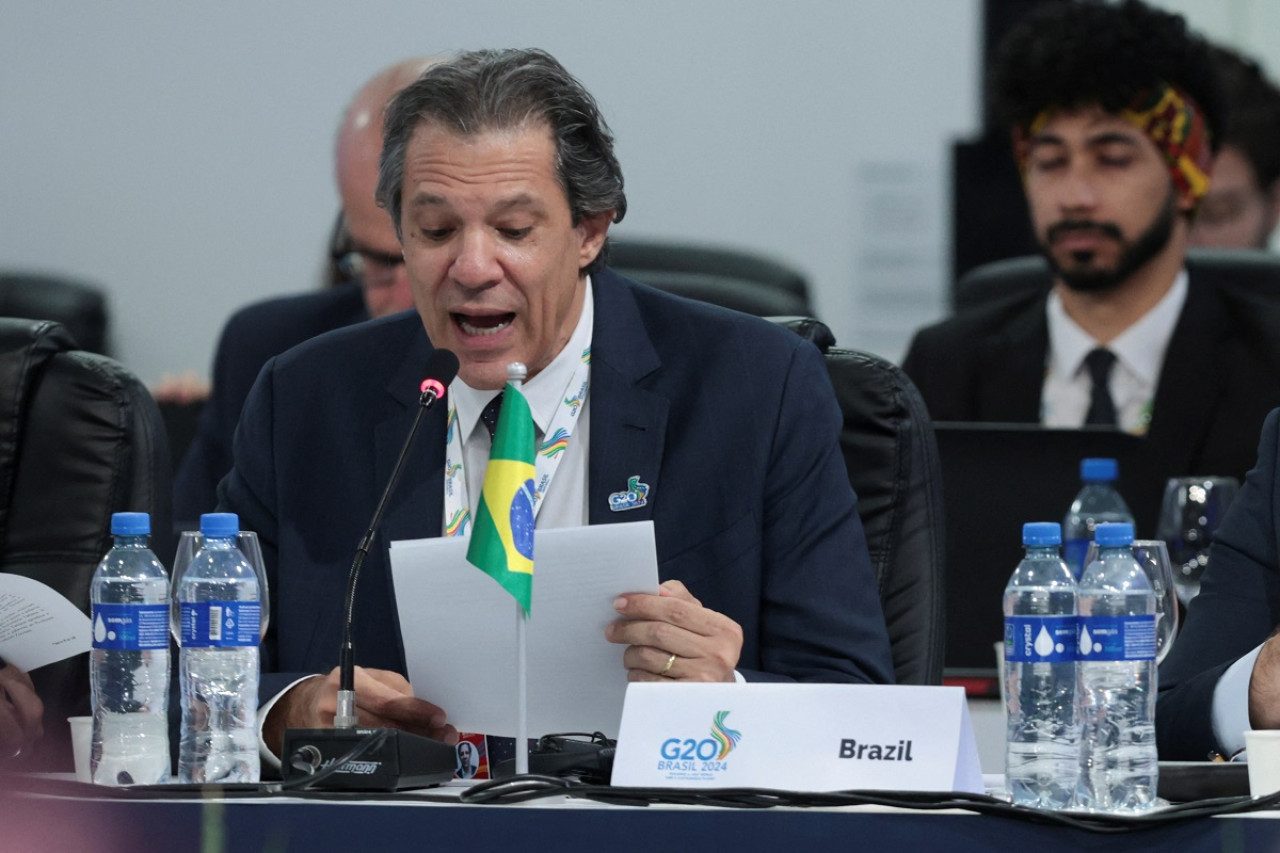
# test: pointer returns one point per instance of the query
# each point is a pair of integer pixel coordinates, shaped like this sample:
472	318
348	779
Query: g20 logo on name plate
699	758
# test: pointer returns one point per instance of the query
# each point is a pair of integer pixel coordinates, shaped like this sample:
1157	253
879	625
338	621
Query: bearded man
1113	110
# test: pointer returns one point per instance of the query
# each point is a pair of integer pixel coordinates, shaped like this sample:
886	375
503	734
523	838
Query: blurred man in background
1243	203
364	250
1113	110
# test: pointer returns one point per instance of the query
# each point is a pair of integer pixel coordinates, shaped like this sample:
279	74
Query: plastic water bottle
129	663
1098	502
218	661
1042	765
1117	661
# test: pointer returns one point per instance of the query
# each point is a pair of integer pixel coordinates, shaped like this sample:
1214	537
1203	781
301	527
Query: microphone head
442	366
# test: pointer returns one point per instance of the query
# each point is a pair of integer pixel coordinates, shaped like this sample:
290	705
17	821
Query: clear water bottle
1098	502
129	663
1117	662
218	659
1042	765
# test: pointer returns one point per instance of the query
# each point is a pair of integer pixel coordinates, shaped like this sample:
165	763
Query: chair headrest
25	347
814	331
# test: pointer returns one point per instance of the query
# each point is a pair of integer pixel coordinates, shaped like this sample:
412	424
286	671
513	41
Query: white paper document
459	628
38	626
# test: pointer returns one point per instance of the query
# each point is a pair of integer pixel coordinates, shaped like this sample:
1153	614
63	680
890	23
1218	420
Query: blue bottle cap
1042	533
130	524
1113	534
1099	470
220	524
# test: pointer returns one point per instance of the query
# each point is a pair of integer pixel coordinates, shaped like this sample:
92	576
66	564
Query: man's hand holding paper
671	636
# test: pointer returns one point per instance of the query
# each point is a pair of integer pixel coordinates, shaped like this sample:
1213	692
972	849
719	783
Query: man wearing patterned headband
1112	110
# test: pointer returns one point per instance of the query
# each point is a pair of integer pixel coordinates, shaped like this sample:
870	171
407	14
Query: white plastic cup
82	746
1264	761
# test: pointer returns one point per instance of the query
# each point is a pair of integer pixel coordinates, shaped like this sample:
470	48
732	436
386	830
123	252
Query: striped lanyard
551	449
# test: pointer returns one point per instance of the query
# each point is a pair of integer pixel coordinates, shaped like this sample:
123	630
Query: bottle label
218	624
1117	638
130	627
1040	639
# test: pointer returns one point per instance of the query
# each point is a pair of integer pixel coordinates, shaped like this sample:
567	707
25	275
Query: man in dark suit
1113	110
499	173
1222	675
370	283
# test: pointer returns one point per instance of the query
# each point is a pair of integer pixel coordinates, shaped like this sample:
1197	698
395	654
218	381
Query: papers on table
38	626
459	628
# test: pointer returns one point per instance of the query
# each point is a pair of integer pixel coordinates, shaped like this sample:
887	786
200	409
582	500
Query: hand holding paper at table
458	628
21	713
38	626
672	637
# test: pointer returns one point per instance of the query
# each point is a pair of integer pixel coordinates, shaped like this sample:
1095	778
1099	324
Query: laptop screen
996	477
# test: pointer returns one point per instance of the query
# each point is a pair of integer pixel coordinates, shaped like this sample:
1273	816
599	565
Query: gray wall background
179	153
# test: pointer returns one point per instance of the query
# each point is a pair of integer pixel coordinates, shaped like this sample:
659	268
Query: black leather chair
80	307
732	278
1248	271
892	458
80	438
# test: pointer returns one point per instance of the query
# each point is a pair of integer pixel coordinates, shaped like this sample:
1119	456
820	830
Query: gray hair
495	90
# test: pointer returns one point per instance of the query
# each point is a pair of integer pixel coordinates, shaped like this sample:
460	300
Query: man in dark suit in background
372	284
1222	675
1113	110
499	174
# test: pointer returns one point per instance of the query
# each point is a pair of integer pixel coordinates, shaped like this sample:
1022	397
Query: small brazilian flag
502	536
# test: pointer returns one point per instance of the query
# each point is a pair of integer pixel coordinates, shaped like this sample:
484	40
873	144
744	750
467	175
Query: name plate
798	737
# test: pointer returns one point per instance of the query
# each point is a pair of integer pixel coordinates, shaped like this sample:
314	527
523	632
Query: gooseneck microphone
397	759
442	366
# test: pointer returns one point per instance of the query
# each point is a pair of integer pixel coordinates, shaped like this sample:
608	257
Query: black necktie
490	414
1102	409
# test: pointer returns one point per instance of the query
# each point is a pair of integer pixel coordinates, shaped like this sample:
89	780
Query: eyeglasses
375	269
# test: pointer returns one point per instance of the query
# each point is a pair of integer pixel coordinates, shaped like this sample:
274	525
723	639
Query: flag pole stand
516	373
522	700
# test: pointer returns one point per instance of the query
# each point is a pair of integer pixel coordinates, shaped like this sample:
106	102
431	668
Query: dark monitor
995	477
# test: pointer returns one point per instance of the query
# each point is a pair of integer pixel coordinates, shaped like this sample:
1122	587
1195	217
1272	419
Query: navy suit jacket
730	420
1237	609
253	335
1221	375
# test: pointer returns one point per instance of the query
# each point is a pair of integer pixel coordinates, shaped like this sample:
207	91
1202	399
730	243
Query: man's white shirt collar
1139	348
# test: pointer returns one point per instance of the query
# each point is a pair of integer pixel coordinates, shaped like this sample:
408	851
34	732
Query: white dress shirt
1231	704
1139	352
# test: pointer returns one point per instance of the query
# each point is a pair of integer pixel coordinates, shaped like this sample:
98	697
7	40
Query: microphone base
403	760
